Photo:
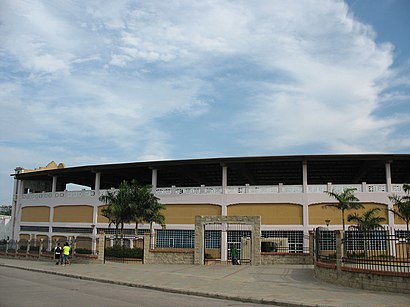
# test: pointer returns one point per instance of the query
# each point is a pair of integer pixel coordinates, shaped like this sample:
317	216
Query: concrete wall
5	227
276	258
382	281
166	256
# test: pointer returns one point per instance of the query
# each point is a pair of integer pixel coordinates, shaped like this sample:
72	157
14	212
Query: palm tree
153	214
118	209
346	201
402	210
367	222
139	196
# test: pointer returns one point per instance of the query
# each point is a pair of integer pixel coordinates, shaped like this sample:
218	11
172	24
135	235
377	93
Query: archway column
201	221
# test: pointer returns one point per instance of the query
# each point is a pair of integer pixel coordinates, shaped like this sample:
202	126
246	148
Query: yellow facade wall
185	214
100	217
61	239
73	214
35	214
24	237
318	213
271	214
398	220
84	242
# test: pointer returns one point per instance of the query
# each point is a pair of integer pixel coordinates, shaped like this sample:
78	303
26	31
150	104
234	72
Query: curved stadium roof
262	170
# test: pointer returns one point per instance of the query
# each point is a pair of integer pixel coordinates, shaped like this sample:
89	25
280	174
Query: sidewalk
283	285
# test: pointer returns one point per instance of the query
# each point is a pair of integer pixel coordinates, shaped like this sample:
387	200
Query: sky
93	82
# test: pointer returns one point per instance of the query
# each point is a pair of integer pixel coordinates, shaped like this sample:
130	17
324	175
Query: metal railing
383	250
243	189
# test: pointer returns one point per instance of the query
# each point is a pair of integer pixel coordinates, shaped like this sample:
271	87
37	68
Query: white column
14	204
305	205
54	185
224	178
388	185
50	220
224	235
16	210
97	184
224	242
388	176
154	179
304	177
94	239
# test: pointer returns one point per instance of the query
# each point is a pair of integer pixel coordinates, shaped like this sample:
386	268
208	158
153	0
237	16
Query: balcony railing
246	189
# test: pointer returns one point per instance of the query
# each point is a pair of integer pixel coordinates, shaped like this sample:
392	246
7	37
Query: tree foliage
5	210
402	206
346	200
369	220
132	203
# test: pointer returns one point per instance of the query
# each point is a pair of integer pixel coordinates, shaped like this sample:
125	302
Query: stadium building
287	192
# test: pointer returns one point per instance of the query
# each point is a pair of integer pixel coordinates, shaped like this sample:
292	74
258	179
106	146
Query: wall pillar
154	179
304	177
97	184
389	190
305	205
54	185
224	178
388	176
101	246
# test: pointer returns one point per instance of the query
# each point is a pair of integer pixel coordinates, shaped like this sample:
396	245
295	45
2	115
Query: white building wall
5	227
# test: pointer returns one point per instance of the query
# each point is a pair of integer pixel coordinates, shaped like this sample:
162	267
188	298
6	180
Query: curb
170	290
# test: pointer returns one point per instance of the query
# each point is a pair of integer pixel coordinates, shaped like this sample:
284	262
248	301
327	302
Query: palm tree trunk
343	219
122	234
116	234
136	228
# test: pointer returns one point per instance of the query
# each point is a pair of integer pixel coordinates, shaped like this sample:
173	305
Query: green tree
153	214
402	207
346	200
5	210
140	201
118	210
368	221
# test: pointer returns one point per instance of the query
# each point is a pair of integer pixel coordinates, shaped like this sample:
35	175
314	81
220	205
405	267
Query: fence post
339	249
7	246
101	247
41	247
312	245
74	246
28	247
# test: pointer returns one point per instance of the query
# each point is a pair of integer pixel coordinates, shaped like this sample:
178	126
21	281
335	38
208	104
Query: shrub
83	251
124	252
22	249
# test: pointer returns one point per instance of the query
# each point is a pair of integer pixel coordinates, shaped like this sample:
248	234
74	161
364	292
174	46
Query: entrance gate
215	236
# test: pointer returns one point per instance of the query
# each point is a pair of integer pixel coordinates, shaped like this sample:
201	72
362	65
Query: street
26	288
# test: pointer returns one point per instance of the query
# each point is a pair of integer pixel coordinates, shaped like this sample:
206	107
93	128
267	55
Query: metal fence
385	249
36	247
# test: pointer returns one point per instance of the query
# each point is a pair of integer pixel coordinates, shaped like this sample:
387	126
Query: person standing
58	253
234	255
66	253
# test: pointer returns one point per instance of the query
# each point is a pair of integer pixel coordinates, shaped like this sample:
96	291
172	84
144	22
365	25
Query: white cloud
122	78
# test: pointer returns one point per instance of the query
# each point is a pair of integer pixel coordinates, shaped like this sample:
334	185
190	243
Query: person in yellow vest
66	253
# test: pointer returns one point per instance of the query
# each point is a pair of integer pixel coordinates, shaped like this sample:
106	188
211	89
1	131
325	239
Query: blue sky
90	82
